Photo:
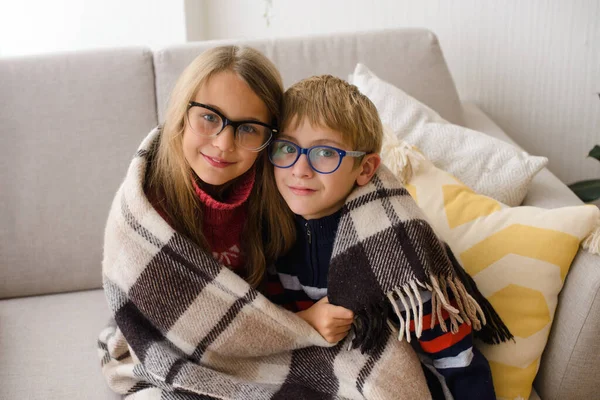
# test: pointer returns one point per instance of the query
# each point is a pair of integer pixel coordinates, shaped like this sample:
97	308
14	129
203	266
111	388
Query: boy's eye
325	152
287	149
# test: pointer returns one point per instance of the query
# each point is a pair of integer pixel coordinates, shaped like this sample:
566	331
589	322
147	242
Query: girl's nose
225	141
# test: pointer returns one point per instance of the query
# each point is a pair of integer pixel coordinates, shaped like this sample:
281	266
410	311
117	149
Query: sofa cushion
70	125
48	347
409	58
488	165
546	190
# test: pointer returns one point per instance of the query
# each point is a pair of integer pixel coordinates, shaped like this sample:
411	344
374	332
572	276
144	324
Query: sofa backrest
408	58
69	125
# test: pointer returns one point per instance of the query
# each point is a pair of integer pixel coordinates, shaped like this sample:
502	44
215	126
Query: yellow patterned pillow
519	258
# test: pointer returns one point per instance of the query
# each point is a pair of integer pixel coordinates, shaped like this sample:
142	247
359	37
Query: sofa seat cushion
48	347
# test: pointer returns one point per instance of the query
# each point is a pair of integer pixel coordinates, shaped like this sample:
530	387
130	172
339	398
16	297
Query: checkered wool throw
189	328
386	254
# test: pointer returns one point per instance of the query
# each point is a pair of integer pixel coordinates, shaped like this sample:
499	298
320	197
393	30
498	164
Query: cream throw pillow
488	165
518	257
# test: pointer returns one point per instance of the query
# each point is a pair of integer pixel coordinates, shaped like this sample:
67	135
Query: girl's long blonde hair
268	231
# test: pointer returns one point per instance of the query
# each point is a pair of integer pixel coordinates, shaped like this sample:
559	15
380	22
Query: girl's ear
368	167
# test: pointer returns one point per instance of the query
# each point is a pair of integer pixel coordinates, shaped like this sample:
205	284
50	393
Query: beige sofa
70	124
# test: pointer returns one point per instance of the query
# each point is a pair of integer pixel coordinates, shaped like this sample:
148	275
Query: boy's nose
225	141
302	169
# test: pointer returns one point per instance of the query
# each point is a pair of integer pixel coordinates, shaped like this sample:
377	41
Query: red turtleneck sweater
224	220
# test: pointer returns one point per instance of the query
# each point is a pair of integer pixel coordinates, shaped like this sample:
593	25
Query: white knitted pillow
490	166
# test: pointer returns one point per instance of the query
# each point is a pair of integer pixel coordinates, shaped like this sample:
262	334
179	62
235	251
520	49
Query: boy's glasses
250	135
322	159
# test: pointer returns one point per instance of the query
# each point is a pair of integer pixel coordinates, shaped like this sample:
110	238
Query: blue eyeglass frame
305	151
234	124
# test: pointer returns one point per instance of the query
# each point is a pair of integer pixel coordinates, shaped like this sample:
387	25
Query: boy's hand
332	322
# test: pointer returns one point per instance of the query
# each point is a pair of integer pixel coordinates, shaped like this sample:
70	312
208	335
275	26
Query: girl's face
218	160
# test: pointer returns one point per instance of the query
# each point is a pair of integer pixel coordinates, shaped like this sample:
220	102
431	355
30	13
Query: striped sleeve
287	291
465	371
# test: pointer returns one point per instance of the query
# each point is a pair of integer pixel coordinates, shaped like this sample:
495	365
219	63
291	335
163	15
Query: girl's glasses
250	135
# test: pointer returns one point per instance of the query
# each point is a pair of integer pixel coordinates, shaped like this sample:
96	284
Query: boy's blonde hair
170	176
331	102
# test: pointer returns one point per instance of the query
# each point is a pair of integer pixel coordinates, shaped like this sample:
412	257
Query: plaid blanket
374	282
189	328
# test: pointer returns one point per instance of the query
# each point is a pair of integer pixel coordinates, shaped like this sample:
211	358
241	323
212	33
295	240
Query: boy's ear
368	167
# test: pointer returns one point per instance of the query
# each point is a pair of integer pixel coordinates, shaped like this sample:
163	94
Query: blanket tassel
370	328
492	330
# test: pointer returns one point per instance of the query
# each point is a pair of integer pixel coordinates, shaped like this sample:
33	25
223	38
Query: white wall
533	66
195	20
39	26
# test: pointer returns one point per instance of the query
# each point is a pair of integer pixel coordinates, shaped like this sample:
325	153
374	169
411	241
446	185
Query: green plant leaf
595	152
588	190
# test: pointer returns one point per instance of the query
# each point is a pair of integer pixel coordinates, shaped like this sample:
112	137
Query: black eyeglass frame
234	124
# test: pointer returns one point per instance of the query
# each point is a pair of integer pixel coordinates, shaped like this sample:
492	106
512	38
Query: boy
329	143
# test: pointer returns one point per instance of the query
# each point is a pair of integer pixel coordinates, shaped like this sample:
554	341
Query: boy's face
307	192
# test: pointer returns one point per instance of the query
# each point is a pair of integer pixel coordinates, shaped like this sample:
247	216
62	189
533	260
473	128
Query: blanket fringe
476	312
592	242
472	308
492	330
370	326
401	311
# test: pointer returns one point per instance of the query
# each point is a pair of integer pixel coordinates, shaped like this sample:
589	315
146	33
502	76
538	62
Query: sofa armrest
570	364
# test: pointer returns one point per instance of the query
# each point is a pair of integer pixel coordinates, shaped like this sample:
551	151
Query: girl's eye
211	118
247	129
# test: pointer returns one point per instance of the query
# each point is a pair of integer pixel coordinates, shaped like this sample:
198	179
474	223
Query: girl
207	176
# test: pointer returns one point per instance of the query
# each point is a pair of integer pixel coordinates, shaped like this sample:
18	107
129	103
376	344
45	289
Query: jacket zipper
312	260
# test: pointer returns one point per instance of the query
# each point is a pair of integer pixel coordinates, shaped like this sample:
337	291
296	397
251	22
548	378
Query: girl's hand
332	322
